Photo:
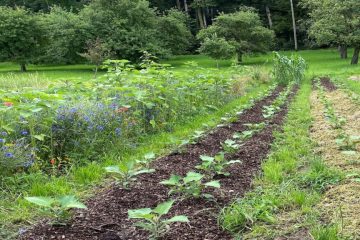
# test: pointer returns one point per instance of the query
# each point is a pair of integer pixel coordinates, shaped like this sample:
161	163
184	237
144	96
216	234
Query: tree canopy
21	36
243	30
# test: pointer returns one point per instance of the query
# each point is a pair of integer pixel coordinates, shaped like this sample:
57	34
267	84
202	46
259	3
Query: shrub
288	70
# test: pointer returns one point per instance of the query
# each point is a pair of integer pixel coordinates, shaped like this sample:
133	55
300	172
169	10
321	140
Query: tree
294	24
21	36
44	5
243	30
127	27
96	53
175	33
217	48
336	22
67	35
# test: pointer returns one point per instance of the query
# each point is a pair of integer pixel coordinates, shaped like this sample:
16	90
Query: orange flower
52	161
8	104
122	109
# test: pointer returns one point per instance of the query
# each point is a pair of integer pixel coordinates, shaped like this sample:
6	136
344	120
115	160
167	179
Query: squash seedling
215	165
146	160
151	220
189	186
126	172
230	146
58	206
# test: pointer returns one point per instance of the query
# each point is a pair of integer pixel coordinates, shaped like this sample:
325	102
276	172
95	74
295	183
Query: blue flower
4	133
2	140
118	131
73	110
24	132
9	155
100	128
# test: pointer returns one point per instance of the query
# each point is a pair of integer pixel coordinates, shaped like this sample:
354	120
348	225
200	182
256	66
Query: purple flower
9	155
4	133
100	128
118	131
24	132
2	140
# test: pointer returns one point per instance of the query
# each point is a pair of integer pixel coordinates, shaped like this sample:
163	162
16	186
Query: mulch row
328	84
106	217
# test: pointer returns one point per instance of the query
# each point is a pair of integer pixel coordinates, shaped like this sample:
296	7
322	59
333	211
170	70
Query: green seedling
58	206
195	137
269	111
126	172
146	160
215	165
190	186
230	146
347	143
151	220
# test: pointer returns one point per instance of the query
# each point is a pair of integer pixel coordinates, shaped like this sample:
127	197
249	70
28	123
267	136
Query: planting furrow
107	217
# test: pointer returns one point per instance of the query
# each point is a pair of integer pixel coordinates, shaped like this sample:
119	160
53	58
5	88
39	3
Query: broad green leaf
179	218
68	202
112	169
41	201
164	208
36	110
192	176
153	123
173	180
144	171
150	155
214	184
233	162
140	213
40	137
206	158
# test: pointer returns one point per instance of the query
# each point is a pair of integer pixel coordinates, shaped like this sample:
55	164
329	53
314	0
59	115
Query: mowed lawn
320	62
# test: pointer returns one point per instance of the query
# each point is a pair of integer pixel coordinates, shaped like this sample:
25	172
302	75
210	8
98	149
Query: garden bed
107	216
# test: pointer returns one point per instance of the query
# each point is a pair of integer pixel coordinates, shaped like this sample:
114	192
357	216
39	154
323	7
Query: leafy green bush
288	70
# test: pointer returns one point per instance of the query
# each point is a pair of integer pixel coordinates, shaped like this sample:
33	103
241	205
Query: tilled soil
327	84
106	217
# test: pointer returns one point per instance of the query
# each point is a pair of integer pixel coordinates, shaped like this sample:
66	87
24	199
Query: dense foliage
336	22
76	123
243	30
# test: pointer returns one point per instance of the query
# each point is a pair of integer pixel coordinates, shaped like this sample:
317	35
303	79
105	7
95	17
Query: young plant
189	186
215	165
151	219
58	206
230	146
126	172
146	160
196	136
347	143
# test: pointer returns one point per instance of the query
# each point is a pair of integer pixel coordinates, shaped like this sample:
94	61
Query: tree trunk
22	67
238	57
186	7
268	14
355	58
343	51
200	18
294	24
178	4
204	17
96	70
